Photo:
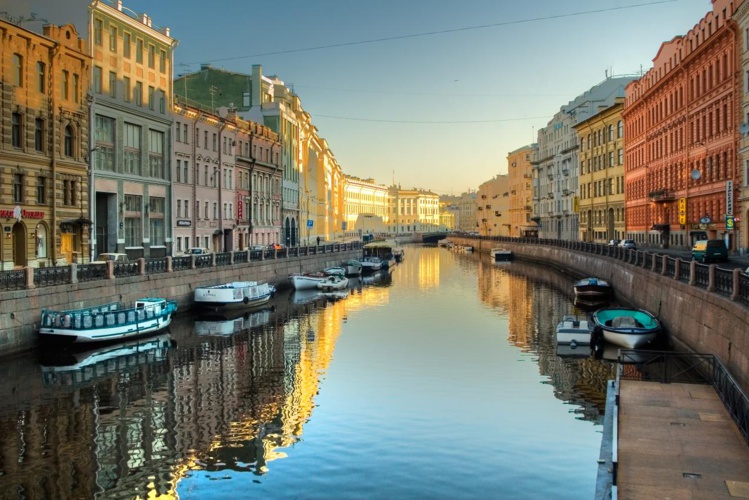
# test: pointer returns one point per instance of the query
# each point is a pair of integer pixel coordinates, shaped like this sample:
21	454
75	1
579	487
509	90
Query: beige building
44	150
601	175
463	208
520	172
493	207
447	217
365	207
741	210
413	211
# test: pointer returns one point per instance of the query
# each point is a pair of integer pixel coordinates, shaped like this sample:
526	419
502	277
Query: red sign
240	207
25	214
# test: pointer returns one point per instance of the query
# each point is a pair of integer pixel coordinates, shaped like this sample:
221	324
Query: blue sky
440	111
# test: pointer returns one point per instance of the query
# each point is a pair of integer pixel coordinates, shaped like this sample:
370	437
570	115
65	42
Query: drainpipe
196	170
220	171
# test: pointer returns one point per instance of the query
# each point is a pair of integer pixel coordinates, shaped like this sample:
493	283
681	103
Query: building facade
741	219
520	172
131	85
682	133
601	175
413	211
365	207
43	165
493	207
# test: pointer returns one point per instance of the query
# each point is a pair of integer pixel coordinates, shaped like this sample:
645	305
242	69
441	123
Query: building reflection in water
234	394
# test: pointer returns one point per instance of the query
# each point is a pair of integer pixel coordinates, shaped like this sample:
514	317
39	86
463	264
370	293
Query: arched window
41	241
620	129
68	145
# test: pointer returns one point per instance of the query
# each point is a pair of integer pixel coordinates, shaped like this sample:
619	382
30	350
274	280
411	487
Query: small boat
573	351
629	328
501	255
333	283
370	264
573	330
384	249
353	267
108	322
334	271
306	281
592	288
236	294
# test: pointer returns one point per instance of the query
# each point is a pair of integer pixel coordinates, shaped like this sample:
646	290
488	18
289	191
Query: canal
440	379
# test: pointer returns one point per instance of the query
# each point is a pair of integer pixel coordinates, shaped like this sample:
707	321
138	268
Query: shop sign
21	214
184	223
729	197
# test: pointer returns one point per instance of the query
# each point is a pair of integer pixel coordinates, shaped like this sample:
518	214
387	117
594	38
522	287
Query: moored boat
573	330
630	328
306	281
333	283
592	288
384	249
236	294
501	255
334	271
108	322
371	264
353	267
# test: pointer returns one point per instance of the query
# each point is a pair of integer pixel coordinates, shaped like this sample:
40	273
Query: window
126	45
162	103
41	72
98	26
68	143
178	135
97	79
156	154
184	172
139	51
41	241
621	156
205	139
178	176
76	88
15	136
17	188
113	39
162	61
131	147
126	88
215	210
611	132
139	93
112	84
197	209
104	137
156	220
39	134
184	135
151	92
151	56
132	217
214	142
206	210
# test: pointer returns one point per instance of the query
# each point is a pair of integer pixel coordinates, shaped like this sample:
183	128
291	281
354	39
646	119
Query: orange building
681	137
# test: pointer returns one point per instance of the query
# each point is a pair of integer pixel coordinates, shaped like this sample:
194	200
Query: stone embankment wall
20	310
696	320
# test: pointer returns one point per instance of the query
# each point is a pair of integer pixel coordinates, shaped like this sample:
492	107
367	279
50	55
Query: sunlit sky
427	93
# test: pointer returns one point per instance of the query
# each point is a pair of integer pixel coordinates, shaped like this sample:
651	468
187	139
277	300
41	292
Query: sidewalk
741	261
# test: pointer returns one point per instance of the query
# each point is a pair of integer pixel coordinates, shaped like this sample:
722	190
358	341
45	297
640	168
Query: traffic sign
309	222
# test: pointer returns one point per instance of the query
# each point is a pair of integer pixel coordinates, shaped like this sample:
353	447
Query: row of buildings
103	150
661	158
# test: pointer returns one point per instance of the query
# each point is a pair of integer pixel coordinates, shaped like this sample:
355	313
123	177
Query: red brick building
681	136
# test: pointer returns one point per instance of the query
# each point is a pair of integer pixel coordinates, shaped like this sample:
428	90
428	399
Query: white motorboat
236	294
334	271
371	264
574	330
333	283
108	322
306	281
353	267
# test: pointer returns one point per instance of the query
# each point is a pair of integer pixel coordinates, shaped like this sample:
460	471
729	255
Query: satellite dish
696	174
744	128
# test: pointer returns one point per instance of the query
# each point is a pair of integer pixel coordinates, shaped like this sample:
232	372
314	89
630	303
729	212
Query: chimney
257	85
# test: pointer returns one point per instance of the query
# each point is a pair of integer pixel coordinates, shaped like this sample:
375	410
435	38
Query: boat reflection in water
227	324
76	367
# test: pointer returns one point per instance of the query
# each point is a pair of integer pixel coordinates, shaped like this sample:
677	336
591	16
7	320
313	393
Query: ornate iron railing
181	263
45	276
203	261
13	280
702	276
685	270
223	259
670	267
723	281
743	295
240	257
155	266
126	269
92	272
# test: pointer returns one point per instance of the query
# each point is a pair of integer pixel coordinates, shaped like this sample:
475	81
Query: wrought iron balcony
662	195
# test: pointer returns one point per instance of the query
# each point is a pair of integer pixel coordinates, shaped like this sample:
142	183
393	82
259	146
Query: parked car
197	251
117	258
614	243
276	246
257	248
628	244
710	250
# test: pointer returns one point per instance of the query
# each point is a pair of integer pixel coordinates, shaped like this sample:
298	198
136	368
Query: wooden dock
678	441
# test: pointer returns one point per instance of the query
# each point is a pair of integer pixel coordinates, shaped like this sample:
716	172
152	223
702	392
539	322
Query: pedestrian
318	241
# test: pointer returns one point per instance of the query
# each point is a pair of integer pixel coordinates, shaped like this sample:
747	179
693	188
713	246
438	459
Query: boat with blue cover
108	322
629	328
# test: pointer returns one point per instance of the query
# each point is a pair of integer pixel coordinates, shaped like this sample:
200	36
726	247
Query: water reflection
225	395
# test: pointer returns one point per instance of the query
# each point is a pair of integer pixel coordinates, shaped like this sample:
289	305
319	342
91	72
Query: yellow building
43	164
365	207
520	172
413	211
447	217
601	175
493	207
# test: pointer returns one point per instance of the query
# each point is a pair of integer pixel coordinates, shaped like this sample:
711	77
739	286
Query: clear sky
439	111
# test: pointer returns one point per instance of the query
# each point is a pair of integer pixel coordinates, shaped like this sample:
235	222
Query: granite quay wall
703	308
28	291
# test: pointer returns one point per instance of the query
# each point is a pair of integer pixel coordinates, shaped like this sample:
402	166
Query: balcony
551	177
565	171
550	196
567	192
535	218
662	196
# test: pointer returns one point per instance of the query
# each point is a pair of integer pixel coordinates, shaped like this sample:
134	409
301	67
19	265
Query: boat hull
629	328
592	288
501	255
109	323
301	282
573	330
629	340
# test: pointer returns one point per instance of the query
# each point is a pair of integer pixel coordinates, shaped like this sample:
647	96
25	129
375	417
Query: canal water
440	379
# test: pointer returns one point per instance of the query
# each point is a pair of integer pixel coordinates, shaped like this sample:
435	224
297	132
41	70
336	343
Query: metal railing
19	279
688	368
